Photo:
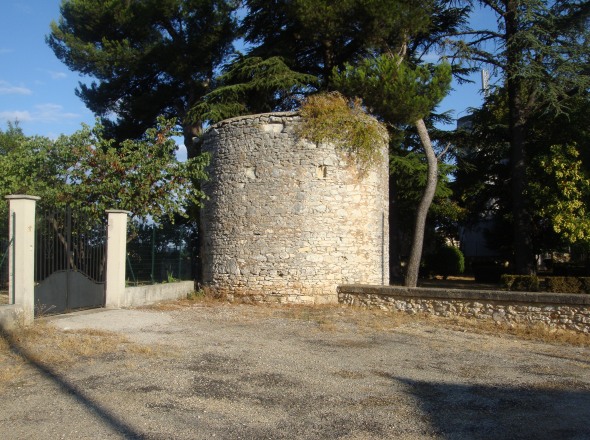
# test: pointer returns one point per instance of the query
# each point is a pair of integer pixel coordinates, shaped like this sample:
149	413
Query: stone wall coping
483	295
253	116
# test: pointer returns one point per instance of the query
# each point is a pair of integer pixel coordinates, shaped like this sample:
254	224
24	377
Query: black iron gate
70	262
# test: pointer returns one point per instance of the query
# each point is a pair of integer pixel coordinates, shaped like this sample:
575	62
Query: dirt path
249	372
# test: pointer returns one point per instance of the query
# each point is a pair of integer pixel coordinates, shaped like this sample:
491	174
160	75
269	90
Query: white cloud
4	50
7	88
57	75
54	74
44	113
52	113
15	115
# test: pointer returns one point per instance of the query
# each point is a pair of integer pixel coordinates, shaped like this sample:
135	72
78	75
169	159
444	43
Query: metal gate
70	262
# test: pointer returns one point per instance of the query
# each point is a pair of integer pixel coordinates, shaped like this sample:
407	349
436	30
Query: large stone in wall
288	220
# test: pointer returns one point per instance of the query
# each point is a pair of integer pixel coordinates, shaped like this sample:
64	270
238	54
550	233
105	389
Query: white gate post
21	263
116	257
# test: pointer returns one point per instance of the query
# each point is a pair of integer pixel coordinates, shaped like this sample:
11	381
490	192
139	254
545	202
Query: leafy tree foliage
294	45
567	198
92	172
149	58
10	139
253	85
316	36
483	173
541	51
403	94
385	80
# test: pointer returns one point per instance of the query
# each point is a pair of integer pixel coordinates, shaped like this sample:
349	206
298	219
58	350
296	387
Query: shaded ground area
203	371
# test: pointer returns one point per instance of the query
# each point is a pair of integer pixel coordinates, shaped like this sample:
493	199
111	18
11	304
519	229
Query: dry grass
530	332
11	365
46	345
200	298
335	317
49	345
347	374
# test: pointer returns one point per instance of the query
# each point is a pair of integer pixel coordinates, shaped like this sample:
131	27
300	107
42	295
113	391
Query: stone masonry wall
563	311
288	220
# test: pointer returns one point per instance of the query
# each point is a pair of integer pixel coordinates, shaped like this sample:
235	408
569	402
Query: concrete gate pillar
21	263
116	257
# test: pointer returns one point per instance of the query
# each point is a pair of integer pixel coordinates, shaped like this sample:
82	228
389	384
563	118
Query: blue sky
35	87
38	90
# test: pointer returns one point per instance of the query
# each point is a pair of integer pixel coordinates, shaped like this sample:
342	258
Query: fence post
116	257
21	263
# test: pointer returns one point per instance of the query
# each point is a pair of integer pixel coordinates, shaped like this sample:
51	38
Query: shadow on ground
72	391
486	412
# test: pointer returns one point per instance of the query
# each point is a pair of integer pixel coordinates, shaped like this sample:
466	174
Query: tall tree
402	94
314	37
147	58
481	184
541	52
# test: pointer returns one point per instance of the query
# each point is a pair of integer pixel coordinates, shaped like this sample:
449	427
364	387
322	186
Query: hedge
521	283
530	283
568	284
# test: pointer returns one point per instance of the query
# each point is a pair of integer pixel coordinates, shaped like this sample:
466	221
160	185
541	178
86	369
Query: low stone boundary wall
149	294
563	311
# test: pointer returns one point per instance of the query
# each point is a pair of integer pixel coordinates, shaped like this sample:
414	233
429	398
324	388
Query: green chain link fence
159	254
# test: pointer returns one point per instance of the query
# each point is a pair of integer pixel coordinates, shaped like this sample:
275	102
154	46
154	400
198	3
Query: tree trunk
395	272
422	211
523	253
191	131
517	113
192	143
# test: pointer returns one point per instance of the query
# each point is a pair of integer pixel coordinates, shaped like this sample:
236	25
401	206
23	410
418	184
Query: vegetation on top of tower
331	117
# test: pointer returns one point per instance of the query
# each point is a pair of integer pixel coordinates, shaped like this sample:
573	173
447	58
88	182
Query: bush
585	282
563	284
447	261
521	283
330	117
568	284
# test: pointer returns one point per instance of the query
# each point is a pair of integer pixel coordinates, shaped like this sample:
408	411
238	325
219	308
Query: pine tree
146	58
402	94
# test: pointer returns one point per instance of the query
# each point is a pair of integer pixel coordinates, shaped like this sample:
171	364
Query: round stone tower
289	220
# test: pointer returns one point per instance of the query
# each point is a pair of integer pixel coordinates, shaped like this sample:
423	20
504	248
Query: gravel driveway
256	372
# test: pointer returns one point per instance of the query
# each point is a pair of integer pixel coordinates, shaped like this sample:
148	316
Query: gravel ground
254	372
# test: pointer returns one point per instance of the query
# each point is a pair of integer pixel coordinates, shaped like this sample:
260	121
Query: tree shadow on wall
459	411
